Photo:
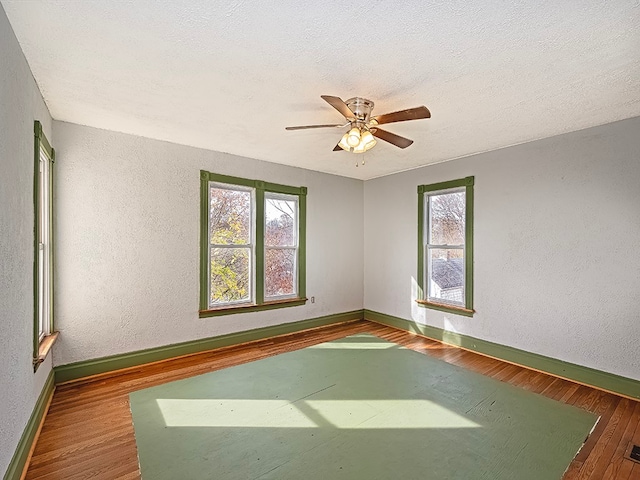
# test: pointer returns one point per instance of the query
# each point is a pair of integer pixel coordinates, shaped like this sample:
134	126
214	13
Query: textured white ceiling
229	75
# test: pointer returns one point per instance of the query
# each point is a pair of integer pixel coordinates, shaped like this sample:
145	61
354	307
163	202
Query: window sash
428	282
428	203
44	246
250	246
296	214
295	275
252	213
429	271
250	274
294	247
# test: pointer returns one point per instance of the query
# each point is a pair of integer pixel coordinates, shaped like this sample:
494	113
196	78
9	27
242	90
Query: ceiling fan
363	127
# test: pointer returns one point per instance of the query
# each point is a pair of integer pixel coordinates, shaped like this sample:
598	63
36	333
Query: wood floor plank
604	410
608	453
620	466
88	431
598	458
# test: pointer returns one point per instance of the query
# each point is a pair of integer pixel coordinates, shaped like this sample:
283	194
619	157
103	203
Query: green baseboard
74	371
589	376
21	455
577	373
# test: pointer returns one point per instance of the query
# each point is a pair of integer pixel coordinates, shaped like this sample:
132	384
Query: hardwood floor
88	431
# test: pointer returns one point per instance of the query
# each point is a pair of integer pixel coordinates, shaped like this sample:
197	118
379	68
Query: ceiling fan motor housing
361	107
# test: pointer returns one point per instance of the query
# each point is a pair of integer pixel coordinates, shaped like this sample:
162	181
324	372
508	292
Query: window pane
447	218
280	222
230	275
229	216
446	275
44	247
279	271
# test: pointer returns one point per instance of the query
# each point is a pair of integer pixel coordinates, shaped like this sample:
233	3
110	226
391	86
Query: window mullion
422	284
259	240
301	243
468	241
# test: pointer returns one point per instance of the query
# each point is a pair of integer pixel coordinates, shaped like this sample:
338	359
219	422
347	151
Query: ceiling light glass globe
367	138
353	138
343	143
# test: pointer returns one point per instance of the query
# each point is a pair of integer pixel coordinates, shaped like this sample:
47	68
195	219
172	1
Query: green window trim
467	183
41	348
260	188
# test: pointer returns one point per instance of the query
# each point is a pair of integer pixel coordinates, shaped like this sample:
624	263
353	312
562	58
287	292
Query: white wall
20	104
128	243
557	246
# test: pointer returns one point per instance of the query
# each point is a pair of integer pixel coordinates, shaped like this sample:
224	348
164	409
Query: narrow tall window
252	245
44	246
43	331
446	245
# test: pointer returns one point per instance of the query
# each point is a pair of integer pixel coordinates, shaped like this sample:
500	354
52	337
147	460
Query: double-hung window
43	334
252	254
445	239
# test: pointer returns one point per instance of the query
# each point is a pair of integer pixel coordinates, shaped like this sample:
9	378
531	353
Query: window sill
43	349
289	302
443	307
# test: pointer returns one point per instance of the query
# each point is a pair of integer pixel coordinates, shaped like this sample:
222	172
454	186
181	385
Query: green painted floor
355	408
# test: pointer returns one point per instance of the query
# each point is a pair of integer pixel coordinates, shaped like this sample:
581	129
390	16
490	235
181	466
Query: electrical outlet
313	299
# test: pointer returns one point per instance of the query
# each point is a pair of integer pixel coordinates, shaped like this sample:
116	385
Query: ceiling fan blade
338	104
403	115
338	148
392	138
303	127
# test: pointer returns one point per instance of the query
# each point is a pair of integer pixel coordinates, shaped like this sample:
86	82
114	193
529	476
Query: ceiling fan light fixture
367	142
357	114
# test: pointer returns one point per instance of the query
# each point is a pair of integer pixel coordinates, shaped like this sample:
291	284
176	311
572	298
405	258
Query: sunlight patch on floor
387	414
232	413
350	414
353	346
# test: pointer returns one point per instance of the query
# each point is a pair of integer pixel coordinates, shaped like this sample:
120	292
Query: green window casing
259	190
43	238
465	305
